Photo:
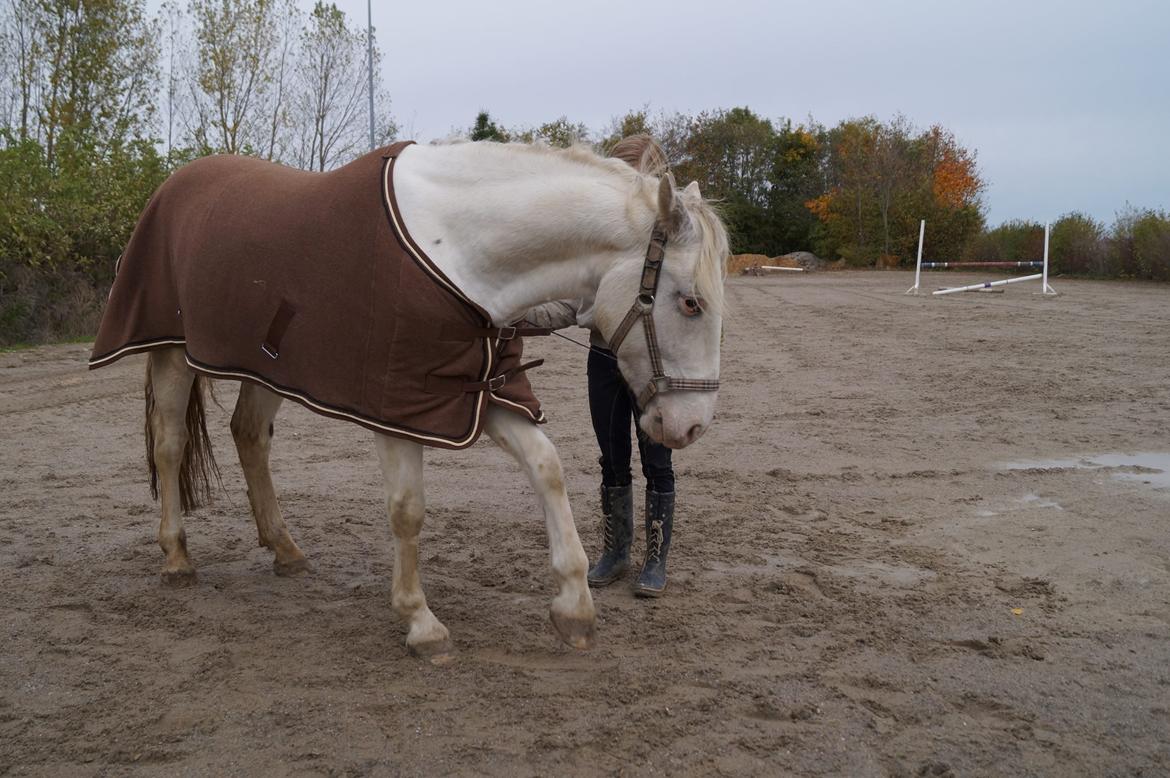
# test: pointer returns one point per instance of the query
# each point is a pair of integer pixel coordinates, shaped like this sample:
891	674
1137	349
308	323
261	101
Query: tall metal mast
370	65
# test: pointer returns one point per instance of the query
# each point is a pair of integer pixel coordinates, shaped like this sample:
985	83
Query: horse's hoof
179	578
574	630
291	568
437	652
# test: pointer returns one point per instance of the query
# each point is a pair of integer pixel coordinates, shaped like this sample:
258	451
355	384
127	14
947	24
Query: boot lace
654	541
607	533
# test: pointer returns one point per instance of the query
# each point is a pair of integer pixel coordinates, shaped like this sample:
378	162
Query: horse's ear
670	209
692	191
666	198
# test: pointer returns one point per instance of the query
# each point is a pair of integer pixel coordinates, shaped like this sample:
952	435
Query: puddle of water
899	576
1153	467
772	563
879	572
1036	501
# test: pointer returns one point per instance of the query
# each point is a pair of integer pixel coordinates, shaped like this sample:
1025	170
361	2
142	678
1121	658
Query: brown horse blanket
310	285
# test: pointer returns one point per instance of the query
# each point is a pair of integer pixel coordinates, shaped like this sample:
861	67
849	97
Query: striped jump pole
938	265
1045	288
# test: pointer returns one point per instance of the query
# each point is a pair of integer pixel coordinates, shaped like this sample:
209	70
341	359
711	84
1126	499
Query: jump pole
1043	276
988	284
918	267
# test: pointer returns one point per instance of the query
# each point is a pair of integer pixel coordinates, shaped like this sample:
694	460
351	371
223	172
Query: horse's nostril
694	432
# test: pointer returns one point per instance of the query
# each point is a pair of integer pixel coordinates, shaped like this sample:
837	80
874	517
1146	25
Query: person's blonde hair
642	153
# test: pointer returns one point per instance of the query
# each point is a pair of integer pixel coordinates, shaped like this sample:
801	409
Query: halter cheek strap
643	308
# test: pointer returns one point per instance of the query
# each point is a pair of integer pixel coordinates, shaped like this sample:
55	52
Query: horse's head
677	385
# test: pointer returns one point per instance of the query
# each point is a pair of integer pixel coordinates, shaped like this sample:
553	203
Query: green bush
1014	241
62	228
1077	246
1151	245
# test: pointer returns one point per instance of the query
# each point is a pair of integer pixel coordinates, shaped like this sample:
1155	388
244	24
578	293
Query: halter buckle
645	302
661	383
497	383
507	333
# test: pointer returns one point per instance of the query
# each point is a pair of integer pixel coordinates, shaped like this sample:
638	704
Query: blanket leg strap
276	330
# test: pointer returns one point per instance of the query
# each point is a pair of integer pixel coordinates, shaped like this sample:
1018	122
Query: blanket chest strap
461	332
437	384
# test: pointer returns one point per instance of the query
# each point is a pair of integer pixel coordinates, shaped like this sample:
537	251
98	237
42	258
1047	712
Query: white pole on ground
1045	288
918	267
988	284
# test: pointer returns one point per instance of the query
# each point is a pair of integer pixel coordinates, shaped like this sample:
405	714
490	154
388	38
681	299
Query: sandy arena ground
903	549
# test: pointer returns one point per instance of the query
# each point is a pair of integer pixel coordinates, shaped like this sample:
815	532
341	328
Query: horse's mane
714	248
641	161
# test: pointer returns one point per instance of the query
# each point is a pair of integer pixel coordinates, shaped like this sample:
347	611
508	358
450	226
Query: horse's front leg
402	463
572	610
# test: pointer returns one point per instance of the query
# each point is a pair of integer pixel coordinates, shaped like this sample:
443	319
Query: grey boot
659	522
617	530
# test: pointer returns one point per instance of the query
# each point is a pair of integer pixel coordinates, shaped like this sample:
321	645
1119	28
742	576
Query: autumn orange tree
881	178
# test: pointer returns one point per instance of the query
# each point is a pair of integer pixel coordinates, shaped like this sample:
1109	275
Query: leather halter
643	308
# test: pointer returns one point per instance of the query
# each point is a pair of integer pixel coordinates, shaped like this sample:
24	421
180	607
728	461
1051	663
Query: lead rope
586	346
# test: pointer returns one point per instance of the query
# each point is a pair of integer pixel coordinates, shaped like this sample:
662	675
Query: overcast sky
1066	102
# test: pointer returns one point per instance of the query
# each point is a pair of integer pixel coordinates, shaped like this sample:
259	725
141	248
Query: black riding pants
613	408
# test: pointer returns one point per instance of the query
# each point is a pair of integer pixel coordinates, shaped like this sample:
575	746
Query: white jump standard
1041	276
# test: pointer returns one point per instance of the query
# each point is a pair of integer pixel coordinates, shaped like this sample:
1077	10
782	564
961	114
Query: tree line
100	101
857	191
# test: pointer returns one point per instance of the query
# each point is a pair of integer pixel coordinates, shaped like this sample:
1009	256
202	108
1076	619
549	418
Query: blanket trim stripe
134	348
398	225
427	264
308	401
390	202
334	411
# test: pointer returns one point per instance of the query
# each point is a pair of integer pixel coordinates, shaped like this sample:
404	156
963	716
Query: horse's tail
198	465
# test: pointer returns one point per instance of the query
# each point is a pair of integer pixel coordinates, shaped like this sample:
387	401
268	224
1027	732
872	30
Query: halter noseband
643	308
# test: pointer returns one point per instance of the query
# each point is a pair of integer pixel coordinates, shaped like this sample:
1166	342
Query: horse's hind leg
402	463
169	384
252	429
572	610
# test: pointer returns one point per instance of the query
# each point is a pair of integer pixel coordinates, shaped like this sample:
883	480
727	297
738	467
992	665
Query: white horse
512	226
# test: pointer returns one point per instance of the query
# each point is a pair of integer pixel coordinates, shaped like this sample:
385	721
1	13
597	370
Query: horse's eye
690	306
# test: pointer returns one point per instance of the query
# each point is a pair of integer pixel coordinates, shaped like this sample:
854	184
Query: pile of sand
738	263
